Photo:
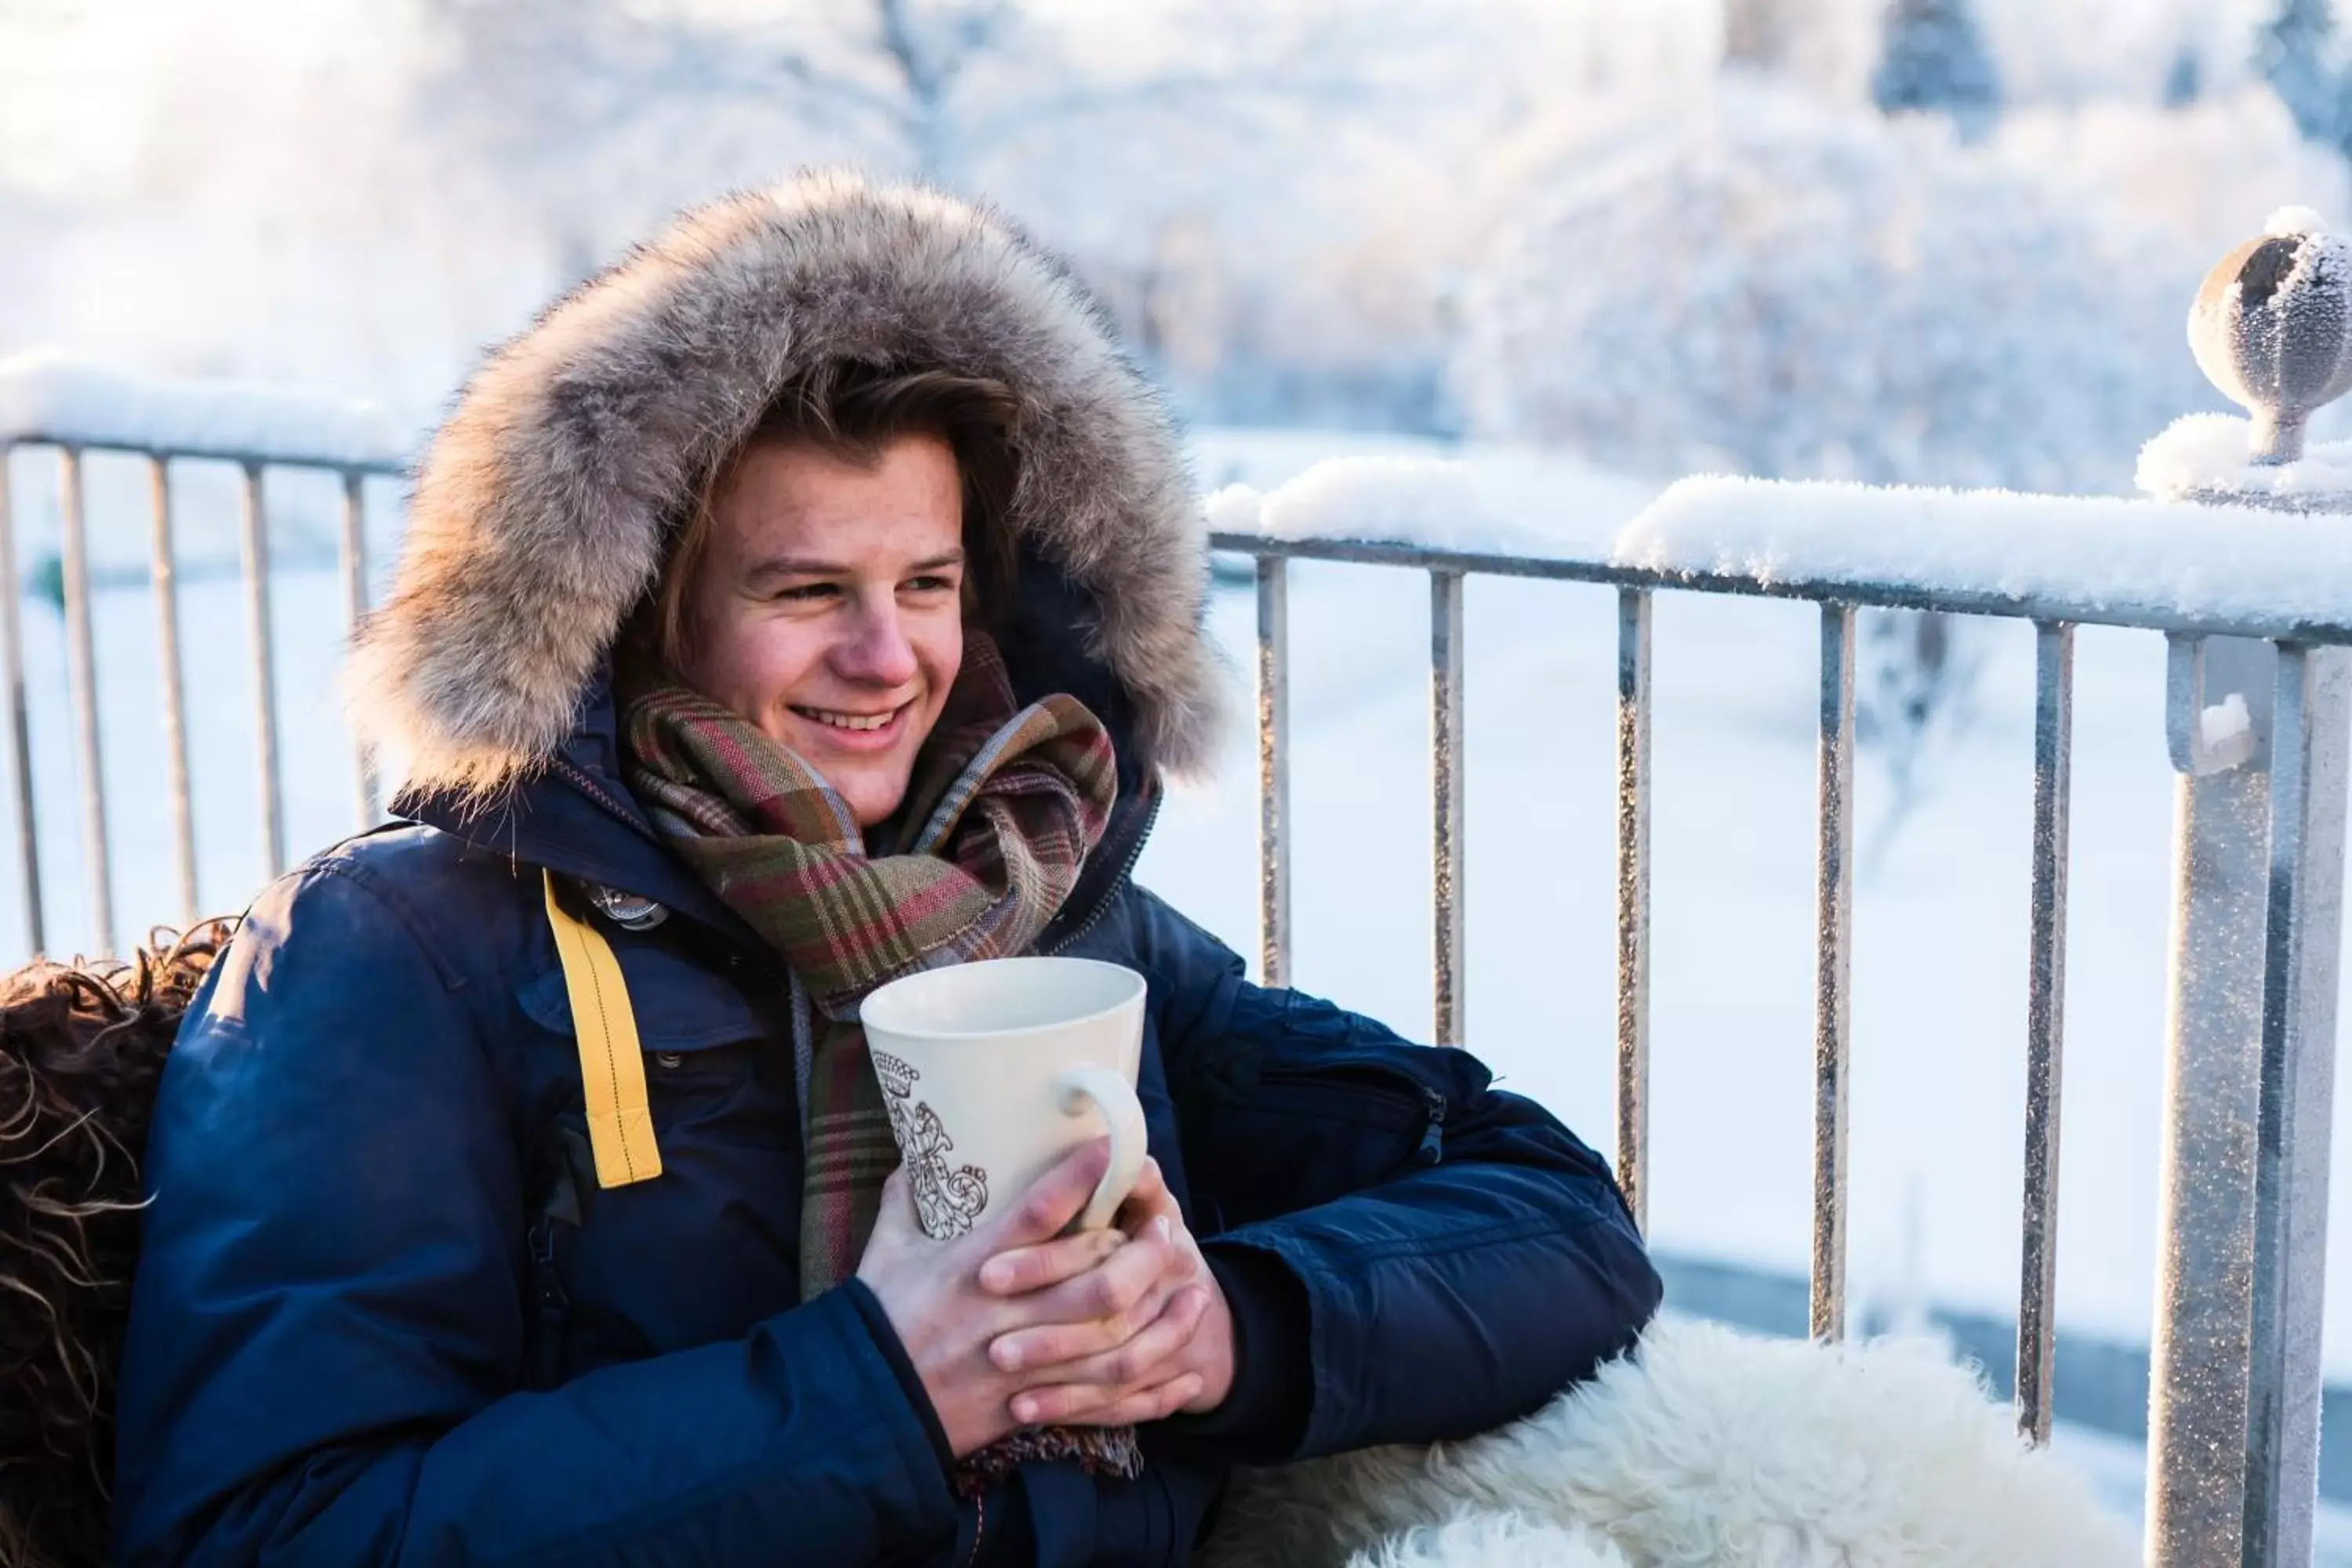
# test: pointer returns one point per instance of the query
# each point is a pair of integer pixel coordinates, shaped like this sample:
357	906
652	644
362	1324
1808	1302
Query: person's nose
880	652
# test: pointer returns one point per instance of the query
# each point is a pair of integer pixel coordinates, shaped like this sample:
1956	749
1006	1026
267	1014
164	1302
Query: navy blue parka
384	1314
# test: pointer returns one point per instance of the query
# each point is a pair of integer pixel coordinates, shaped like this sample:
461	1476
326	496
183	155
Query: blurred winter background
1924	239
1591	245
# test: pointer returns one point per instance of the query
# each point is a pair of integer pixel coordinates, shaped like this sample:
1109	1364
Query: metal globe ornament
2271	328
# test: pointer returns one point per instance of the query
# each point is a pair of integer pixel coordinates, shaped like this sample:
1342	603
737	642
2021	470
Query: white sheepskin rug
1708	1445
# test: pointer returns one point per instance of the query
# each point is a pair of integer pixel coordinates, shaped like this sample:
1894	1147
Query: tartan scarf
1001	809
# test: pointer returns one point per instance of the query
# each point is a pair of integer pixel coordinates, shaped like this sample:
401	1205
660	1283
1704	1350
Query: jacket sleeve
1423	1257
327	1331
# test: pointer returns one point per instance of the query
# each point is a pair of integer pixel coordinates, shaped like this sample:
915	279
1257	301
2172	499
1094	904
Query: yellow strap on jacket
612	1066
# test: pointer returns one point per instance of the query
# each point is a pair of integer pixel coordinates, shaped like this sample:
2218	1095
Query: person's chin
871	793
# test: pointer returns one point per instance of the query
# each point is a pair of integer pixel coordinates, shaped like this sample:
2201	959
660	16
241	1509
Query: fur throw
543	510
80	1049
1707	1446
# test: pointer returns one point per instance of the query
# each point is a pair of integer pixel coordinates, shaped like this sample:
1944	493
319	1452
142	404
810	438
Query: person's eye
808	592
932	582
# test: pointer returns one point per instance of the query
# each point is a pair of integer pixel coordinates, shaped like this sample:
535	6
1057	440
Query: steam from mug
1114	1098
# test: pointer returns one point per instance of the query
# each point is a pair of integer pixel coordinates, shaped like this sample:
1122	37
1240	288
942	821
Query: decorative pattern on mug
947	1200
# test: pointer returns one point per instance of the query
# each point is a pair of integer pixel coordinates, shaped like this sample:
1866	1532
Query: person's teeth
850	721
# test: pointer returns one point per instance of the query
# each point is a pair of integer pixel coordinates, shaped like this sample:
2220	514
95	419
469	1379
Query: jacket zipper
554	1307
581	780
979	1527
1125	870
1431	1150
1433	1136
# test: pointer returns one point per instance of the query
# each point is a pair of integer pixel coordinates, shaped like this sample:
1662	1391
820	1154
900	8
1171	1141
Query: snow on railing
59	400
55	400
2169	565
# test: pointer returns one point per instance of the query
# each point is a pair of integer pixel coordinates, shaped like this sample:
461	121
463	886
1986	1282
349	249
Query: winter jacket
385	1314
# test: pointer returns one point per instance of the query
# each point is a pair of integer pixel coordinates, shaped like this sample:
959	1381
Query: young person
814	597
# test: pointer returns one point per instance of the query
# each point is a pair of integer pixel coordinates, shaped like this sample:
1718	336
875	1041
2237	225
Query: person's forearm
1494	1287
729	1453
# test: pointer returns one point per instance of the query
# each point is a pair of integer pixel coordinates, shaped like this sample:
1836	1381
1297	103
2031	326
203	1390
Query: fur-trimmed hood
541	511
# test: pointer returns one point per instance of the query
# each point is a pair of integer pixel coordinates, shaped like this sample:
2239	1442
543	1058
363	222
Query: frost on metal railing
2240	553
55	401
2166	565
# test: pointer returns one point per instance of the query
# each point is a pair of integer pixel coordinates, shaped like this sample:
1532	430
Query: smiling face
827	606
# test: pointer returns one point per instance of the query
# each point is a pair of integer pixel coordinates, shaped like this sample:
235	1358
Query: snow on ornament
2272	326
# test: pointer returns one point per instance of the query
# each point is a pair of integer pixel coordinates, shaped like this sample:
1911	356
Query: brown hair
854	410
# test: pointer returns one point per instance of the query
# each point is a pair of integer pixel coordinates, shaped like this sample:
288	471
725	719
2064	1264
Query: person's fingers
1132	1363
897	1210
1148	1199
1120	1282
1152	1403
1027	1268
1046	1210
1088	1405
1098	1312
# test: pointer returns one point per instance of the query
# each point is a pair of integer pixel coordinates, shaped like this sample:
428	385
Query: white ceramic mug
993	1070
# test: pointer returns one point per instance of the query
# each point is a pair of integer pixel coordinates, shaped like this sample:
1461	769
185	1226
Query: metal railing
254	461
2259	858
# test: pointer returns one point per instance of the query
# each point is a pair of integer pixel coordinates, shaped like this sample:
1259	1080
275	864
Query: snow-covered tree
1824	46
1914	684
1770	287
1761	33
1213	166
2299	54
608	111
2184	78
1932	59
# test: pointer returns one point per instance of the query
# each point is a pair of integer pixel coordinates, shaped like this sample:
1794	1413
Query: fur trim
1707	1446
539	511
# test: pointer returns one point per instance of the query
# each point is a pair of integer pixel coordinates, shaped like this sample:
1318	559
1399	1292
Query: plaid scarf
1002	808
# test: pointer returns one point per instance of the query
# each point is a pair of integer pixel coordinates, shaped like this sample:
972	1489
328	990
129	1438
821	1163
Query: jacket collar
577	818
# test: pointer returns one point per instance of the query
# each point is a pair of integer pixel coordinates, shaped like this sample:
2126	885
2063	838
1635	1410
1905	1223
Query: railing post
20	728
265	682
355	604
1274	769
1450	898
1633	901
2198	1363
81	657
1834	971
162	574
2305	929
2045	1032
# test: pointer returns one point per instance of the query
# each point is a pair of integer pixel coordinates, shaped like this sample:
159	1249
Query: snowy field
1939	924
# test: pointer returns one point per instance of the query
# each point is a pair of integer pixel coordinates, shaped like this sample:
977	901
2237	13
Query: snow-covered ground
1939	925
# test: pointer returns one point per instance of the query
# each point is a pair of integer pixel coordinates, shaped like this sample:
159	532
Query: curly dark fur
80	1049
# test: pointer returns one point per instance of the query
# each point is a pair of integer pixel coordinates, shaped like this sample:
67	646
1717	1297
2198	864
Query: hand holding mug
948	1318
1132	1336
992	1073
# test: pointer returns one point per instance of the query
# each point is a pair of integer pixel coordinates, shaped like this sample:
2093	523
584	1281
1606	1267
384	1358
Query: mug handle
1123	1113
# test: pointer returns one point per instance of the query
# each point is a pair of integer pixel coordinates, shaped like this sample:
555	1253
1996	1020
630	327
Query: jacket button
667	1058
